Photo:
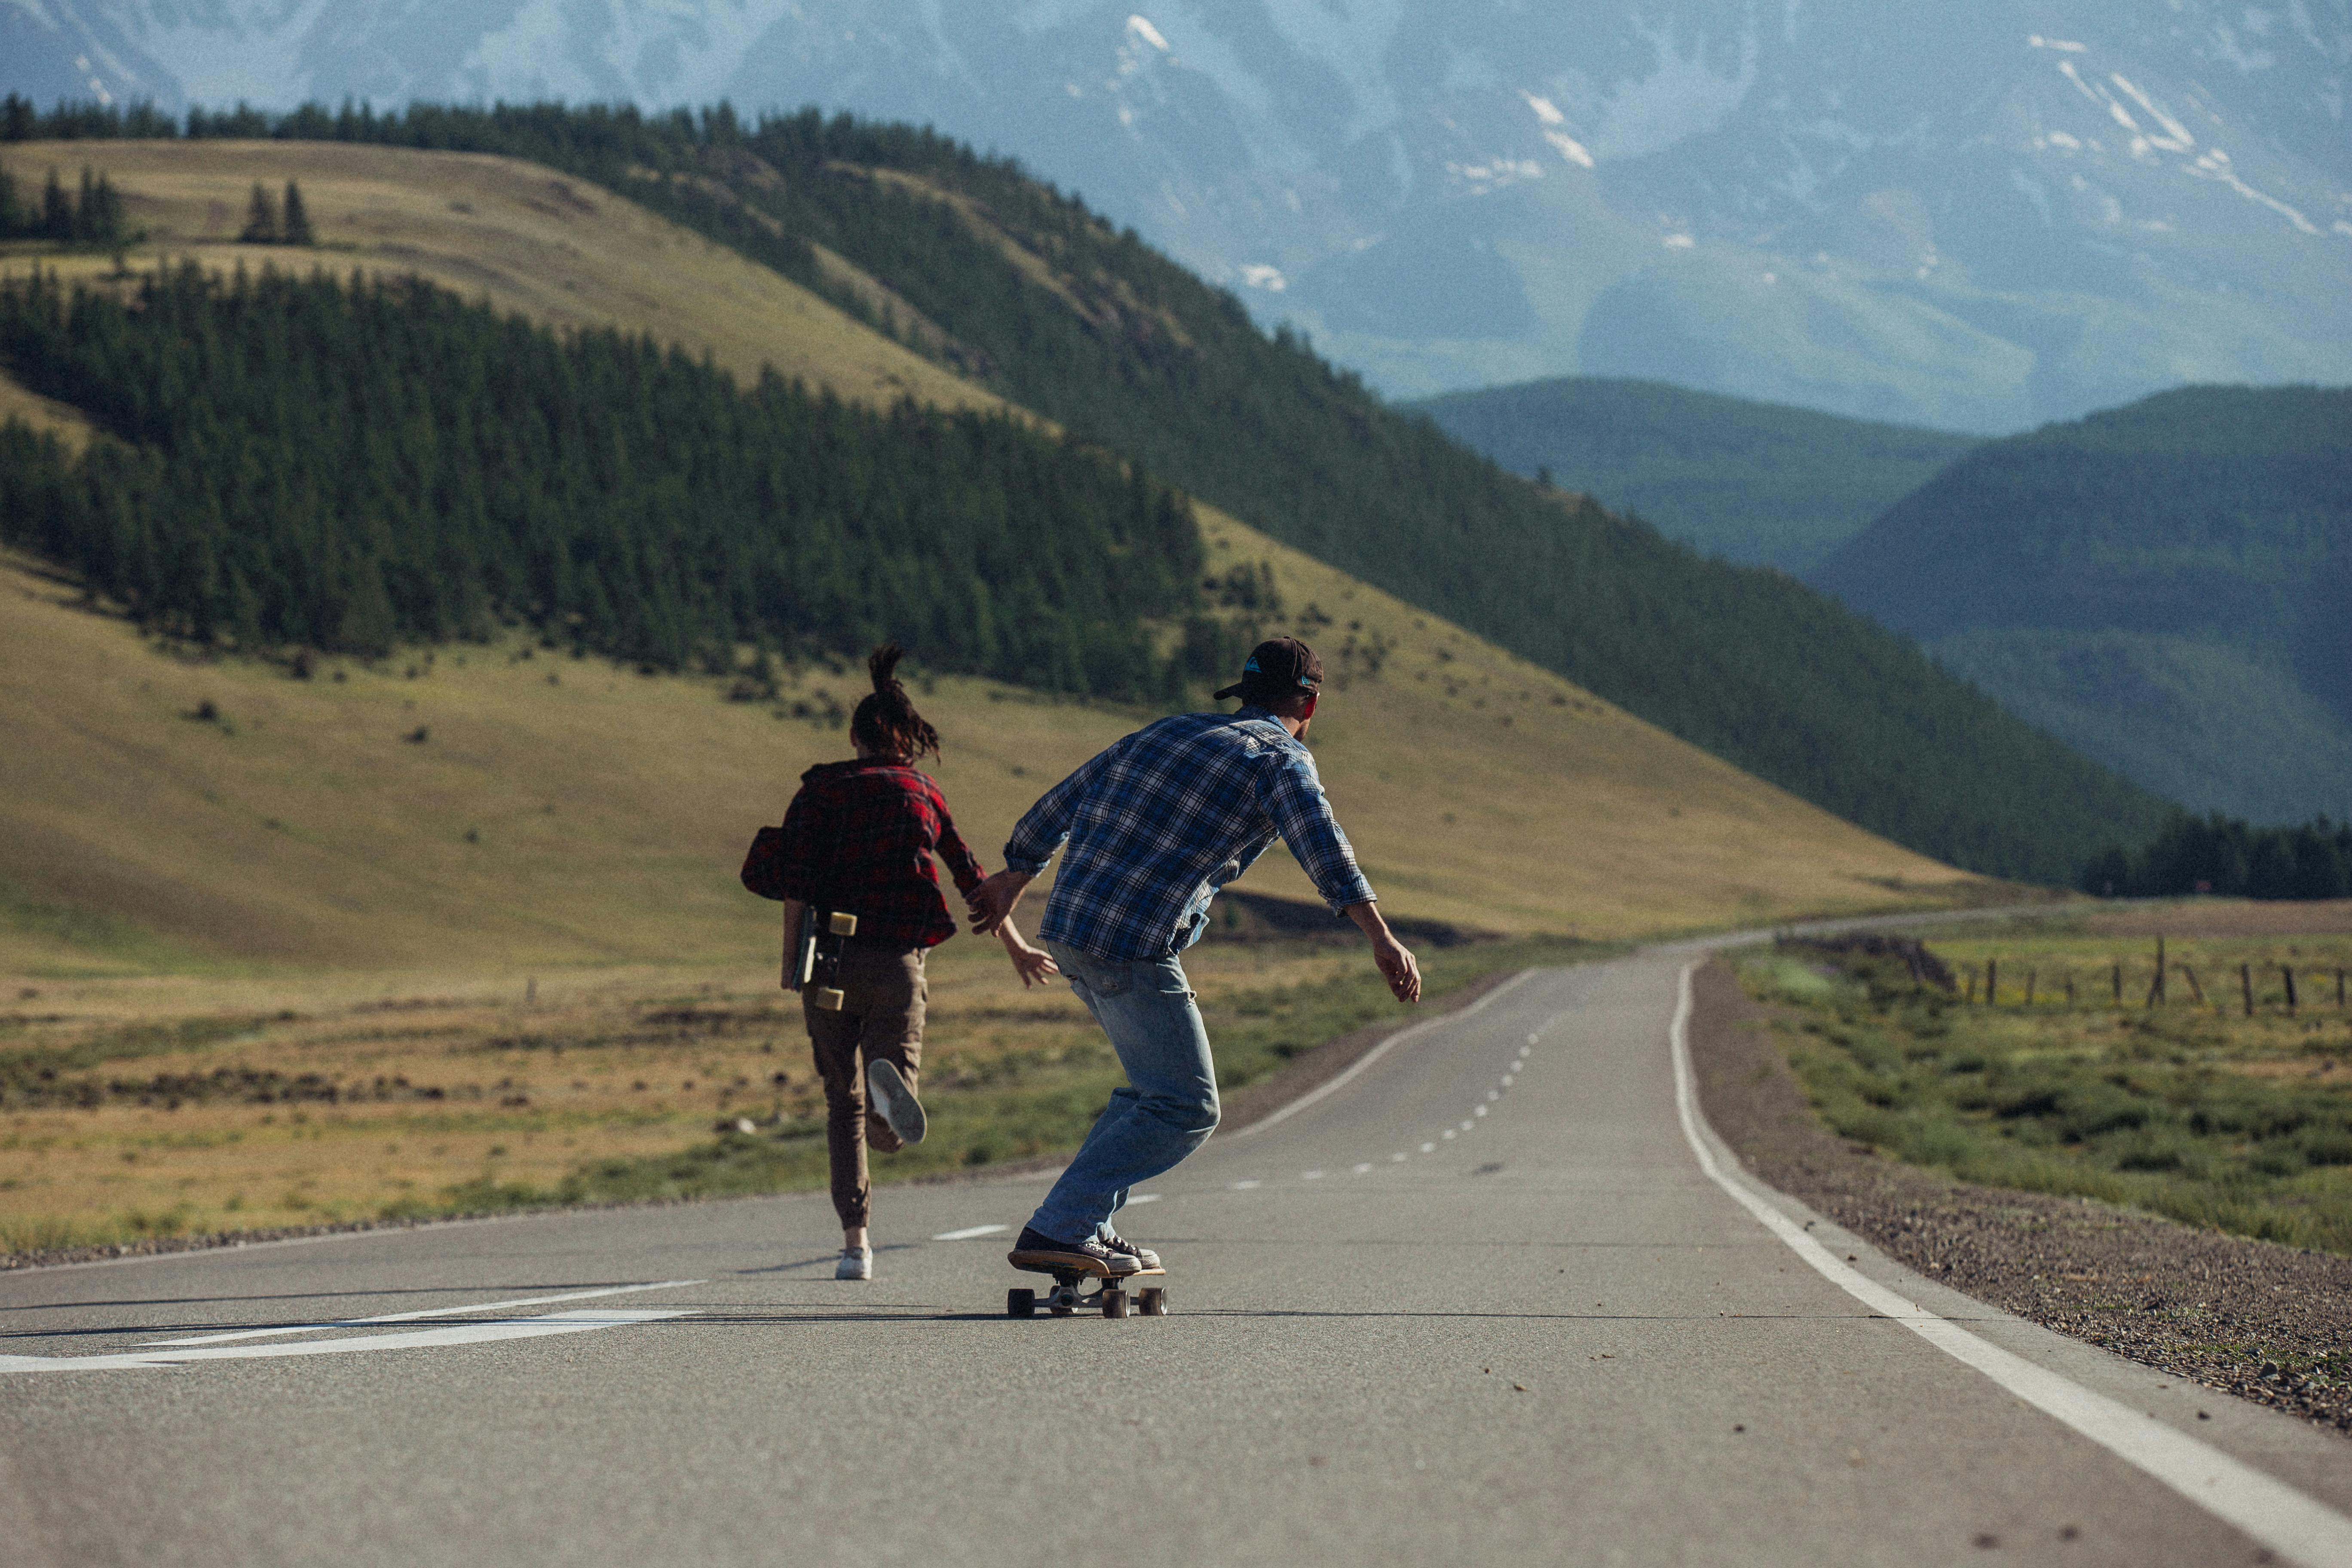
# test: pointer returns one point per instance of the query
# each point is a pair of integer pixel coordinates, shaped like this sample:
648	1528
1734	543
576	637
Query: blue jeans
1169	1107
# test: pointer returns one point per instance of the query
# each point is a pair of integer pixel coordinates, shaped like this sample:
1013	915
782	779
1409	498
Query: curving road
1482	1301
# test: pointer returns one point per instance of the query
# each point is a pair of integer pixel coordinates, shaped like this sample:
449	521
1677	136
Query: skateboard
1066	1296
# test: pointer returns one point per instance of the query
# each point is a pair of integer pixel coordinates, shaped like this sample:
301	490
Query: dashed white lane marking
1245	1187
1310	1175
968	1232
417	1339
1363	1170
1377	1052
2298	1527
427	1313
1135	1198
1429	1148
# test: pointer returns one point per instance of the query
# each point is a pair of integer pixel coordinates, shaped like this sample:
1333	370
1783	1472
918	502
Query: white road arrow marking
418	1339
429	1312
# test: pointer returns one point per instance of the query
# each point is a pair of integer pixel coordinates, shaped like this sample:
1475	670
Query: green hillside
433	809
1758	483
2162	585
303	464
1018	286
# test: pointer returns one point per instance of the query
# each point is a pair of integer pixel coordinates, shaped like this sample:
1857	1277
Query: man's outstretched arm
1040	832
1293	797
1397	966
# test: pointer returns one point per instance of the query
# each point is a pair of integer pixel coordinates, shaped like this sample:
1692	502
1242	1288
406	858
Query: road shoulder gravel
2263	1322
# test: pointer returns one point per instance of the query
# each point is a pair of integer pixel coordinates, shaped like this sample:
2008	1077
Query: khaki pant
881	1019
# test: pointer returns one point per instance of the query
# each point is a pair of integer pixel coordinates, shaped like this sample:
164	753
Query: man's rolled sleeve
1044	825
1294	798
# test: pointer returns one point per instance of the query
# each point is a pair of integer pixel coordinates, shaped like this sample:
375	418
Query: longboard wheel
1152	1301
1114	1303
1021	1303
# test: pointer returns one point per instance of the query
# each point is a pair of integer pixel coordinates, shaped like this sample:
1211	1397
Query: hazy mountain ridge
1758	483
1978	221
2165	586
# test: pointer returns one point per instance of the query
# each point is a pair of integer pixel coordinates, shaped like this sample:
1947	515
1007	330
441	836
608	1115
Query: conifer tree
12	214
260	218
296	227
101	213
56	210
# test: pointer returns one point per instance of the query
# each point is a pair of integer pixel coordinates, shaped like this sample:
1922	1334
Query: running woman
1156	825
858	838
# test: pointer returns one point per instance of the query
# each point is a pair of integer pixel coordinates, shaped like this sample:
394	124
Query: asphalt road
1480	1303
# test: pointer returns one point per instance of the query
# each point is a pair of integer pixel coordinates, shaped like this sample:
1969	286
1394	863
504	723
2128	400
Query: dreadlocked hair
886	723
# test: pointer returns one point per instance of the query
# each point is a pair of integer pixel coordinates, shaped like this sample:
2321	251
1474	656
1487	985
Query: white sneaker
889	1094
856	1263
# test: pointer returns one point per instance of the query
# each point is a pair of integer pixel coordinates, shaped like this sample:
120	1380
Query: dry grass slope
520	236
561	812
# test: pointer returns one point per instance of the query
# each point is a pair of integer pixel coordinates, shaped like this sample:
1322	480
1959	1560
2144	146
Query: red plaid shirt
859	837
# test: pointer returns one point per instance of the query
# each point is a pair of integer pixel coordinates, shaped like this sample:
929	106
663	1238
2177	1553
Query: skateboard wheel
1153	1302
1114	1303
1021	1303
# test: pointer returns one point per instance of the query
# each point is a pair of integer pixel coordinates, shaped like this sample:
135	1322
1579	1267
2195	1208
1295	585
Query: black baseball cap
1277	667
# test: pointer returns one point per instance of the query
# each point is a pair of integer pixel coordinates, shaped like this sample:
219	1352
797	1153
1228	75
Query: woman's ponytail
886	723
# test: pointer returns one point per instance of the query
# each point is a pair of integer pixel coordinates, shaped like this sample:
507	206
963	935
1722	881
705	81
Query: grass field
2216	1104
123	1114
186	838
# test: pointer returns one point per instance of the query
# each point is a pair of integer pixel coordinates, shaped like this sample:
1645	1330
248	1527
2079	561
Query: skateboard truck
813	958
1068	1296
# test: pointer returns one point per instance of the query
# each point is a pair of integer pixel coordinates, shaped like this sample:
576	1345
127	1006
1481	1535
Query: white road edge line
1375	1054
427	1313
970	1231
2296	1526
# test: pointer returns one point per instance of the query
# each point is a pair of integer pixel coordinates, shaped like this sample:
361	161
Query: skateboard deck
1068	1297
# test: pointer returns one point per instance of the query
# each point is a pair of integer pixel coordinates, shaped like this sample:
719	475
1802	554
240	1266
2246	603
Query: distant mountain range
1974	218
2166	586
1758	483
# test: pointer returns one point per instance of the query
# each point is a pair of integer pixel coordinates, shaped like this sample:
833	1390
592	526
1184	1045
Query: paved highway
1482	1301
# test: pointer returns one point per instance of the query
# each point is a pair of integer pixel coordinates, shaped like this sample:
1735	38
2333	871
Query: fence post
2194	989
2287	970
2117	976
2070	990
2156	992
1972	985
2031	975
2246	984
1993	981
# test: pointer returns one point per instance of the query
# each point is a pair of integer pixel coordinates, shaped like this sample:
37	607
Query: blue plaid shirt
1161	820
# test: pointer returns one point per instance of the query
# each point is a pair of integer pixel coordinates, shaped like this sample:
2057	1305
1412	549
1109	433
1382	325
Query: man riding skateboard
1156	825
